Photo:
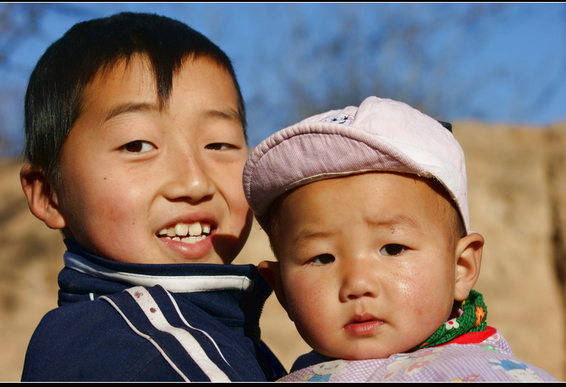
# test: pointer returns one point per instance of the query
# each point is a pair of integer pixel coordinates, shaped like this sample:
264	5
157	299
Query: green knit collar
473	318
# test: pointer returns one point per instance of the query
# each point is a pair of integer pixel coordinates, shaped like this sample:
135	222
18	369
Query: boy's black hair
55	91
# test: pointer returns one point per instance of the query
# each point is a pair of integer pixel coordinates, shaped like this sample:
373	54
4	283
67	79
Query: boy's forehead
139	73
125	96
122	68
115	87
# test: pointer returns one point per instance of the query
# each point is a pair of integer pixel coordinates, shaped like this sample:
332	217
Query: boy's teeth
192	240
183	232
195	229
181	229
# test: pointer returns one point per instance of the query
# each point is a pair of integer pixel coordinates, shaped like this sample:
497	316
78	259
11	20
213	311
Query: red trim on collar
472	338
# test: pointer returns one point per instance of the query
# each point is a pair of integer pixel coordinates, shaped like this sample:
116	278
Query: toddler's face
367	263
146	185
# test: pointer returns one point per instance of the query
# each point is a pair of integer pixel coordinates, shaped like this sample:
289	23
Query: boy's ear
42	200
270	270
469	251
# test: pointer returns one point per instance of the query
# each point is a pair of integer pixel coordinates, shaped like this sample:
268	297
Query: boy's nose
358	280
188	178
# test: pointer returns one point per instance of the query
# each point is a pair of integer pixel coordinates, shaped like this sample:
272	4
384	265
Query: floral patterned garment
467	359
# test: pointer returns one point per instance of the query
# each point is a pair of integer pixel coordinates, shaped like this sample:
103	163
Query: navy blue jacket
138	322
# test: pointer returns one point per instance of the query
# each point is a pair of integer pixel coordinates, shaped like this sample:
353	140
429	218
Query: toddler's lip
360	318
363	324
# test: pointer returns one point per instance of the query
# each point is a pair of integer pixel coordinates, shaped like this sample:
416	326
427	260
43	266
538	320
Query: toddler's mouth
186	232
361	325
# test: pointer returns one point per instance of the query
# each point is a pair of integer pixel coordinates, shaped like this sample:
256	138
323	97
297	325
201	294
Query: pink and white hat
379	135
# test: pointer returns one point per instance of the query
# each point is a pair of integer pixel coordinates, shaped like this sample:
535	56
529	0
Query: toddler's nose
357	282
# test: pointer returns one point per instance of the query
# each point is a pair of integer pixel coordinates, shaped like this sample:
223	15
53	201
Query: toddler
367	215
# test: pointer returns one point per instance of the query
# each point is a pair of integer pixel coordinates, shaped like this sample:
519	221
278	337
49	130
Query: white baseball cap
379	135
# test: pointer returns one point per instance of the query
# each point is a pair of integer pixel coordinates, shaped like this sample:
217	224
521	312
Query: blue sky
505	67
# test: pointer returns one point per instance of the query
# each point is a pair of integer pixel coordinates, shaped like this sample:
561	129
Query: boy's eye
138	146
220	146
323	259
392	249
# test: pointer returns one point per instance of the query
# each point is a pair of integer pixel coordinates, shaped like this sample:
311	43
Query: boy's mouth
186	232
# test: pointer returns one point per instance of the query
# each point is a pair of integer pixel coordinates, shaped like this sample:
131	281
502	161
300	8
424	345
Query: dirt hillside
517	195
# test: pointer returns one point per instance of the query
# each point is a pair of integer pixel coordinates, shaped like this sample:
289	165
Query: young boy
367	214
135	145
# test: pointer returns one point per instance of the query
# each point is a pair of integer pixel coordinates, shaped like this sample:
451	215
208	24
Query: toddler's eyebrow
393	223
307	235
397	222
304	236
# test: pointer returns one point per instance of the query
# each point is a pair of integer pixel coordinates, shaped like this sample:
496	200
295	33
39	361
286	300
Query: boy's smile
186	233
147	184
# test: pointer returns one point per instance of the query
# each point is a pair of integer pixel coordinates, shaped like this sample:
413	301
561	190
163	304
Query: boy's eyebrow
130	107
229	114
144	106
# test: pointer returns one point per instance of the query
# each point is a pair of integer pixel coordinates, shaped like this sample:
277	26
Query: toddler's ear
270	270
42	200
468	262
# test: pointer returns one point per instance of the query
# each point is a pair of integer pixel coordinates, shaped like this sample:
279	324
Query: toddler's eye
220	146
138	146
392	249
323	259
